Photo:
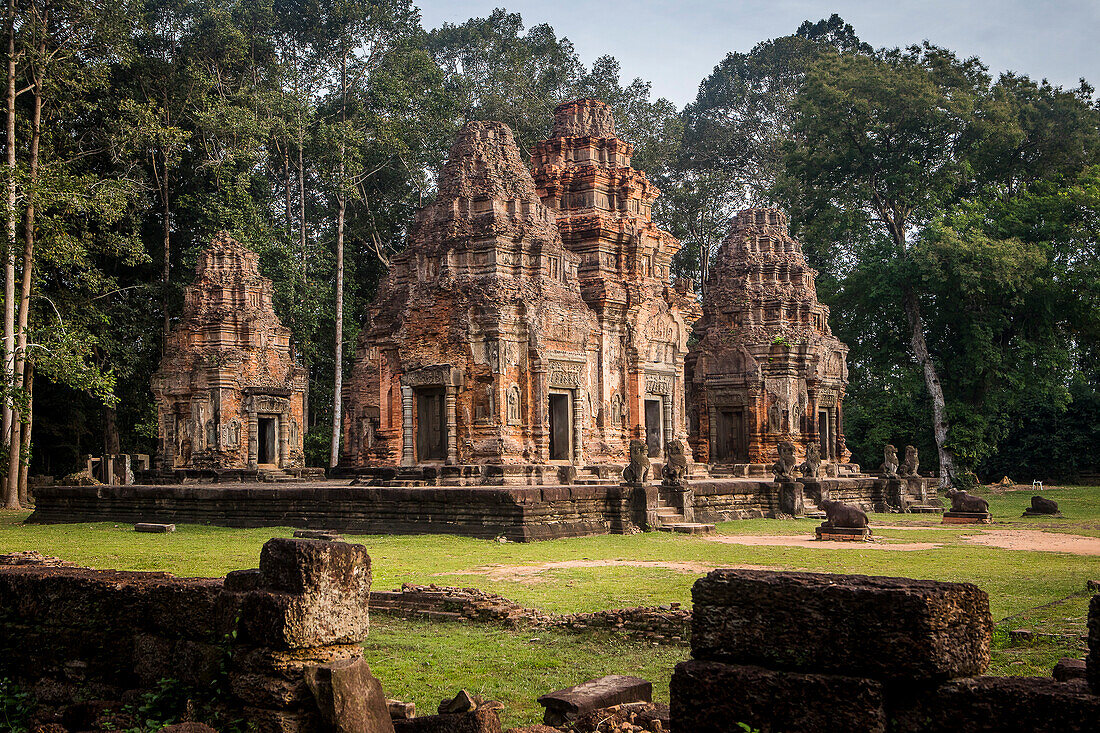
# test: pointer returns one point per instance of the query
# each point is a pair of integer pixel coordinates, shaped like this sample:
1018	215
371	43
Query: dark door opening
653	427
731	437
823	433
266	447
429	427
561	433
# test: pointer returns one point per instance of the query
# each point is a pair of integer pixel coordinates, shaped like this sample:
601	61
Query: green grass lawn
424	662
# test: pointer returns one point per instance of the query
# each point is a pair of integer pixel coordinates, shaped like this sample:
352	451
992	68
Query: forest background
953	213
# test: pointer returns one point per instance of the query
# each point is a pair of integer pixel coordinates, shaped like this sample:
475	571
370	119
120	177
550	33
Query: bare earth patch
795	541
1036	541
532	573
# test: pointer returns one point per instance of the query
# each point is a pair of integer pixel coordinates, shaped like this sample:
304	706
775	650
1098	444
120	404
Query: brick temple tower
766	368
603	209
479	349
229	392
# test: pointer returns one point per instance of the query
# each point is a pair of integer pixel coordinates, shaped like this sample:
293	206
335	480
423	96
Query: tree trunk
289	193
301	199
932	382
341	206
28	423
19	414
110	432
9	249
166	272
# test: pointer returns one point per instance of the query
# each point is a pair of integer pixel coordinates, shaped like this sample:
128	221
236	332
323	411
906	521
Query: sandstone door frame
265	404
437	376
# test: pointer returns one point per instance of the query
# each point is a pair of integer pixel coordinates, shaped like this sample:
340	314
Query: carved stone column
408	446
284	438
712	431
253	437
832	434
451	417
578	422
666	433
539	397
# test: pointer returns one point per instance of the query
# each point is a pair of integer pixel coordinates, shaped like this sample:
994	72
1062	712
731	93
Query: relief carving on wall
565	374
658	384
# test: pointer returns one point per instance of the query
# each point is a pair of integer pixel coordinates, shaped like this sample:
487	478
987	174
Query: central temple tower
604	208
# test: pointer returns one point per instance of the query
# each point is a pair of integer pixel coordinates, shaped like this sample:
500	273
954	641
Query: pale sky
675	45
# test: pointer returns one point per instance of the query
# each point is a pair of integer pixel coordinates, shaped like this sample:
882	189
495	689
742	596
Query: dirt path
796	541
1036	541
533	573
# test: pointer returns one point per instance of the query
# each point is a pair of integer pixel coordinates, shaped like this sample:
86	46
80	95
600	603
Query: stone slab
1069	669
1050	515
843	534
329	535
998	705
153	528
863	626
967	518
713	697
603	692
349	697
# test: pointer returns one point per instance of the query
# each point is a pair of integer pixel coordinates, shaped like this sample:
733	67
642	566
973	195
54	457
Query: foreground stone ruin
278	647
815	651
229	392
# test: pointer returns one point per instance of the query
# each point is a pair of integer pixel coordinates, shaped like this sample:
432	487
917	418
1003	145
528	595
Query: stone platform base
967	518
1029	513
925	509
843	534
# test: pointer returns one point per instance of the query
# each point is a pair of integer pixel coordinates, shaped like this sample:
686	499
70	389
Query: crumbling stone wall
670	624
814	651
74	633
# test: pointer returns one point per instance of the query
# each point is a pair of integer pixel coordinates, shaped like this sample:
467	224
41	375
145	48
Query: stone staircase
810	508
671	519
276	476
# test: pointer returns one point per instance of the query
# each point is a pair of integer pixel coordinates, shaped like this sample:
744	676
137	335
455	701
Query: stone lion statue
843	515
912	462
784	467
964	502
812	467
889	465
675	463
637	471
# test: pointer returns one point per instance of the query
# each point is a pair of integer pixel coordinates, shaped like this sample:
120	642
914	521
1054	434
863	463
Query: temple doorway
653	428
430	433
731	437
824	439
267	445
561	427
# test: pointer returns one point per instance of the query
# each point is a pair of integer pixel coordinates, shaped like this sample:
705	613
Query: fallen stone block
153	528
967	518
714	697
480	720
329	535
349	697
1069	669
614	689
305	566
264	720
999	705
401	710
877	627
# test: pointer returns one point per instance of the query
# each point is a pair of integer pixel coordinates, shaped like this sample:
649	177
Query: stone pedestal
843	534
614	689
967	518
790	498
896	495
1030	513
682	498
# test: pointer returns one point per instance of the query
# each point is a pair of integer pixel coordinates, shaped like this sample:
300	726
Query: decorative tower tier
479	348
765	367
229	392
603	209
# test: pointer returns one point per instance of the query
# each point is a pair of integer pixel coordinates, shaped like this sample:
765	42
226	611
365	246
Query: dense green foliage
918	183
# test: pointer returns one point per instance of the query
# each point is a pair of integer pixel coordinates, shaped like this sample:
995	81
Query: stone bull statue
843	515
964	502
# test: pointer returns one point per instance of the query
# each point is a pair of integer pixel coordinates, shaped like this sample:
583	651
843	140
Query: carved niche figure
513	406
637	471
889	465
843	515
185	444
784	467
812	467
912	462
211	434
964	502
675	464
234	434
616	410
774	417
293	434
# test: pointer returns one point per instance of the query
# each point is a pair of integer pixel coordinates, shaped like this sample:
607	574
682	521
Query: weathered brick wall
71	634
814	651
